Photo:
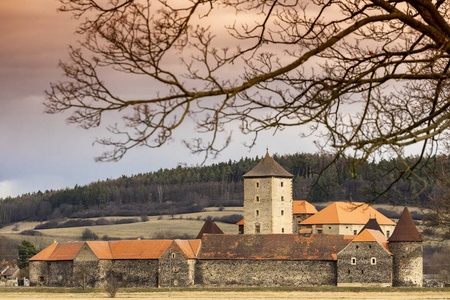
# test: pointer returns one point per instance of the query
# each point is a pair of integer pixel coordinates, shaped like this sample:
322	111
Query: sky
39	151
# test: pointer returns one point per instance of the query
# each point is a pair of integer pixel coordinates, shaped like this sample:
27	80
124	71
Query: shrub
76	223
125	221
47	225
231	219
31	232
102	221
88	235
144	218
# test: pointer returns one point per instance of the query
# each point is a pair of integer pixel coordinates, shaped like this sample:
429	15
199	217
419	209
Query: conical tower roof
372	224
406	230
268	167
209	227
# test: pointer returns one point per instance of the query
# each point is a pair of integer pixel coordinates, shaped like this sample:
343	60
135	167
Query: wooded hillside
190	189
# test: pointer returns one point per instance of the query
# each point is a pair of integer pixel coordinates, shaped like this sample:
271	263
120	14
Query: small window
173	255
257	184
356	246
355	232
282	230
362	271
282	184
370	246
348	271
282	198
257	228
373	261
282	212
407	248
257	212
41	278
353	261
329	227
319	231
257	199
388	233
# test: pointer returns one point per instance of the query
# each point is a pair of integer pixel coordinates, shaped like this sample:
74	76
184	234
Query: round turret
406	246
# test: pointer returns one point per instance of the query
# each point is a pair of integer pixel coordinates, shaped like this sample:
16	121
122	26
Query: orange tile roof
138	249
303	207
370	235
347	213
65	251
188	248
44	254
241	222
100	249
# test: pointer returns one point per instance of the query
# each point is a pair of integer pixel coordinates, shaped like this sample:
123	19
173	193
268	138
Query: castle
268	254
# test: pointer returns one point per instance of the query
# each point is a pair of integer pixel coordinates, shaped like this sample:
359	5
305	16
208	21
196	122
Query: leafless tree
369	76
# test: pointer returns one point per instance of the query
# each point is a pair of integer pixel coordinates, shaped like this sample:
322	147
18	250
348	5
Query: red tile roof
303	207
189	248
268	167
241	222
347	213
44	254
65	251
406	230
101	249
271	247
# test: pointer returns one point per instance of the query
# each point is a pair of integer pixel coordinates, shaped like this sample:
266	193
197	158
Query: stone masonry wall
257	197
264	273
408	263
38	270
60	273
282	202
175	270
371	265
136	272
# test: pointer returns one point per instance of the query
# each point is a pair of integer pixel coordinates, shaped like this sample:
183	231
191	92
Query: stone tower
406	245
268	198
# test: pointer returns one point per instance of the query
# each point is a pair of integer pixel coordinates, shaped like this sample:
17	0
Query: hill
190	189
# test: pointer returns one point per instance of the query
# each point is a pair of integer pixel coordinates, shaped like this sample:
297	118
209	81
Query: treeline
190	189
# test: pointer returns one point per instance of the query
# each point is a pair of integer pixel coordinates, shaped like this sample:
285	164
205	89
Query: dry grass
180	224
237	293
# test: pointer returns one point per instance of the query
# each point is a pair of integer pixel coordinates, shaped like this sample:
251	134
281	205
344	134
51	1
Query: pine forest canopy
370	76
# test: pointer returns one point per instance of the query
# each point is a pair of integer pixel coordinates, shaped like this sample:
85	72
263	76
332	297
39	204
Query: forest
317	178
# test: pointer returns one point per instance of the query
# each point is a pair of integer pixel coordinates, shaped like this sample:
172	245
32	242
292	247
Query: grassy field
180	224
231	293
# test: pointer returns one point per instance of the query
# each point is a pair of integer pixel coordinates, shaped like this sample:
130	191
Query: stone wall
282	205
257	197
136	272
175	270
264	273
38	272
408	263
60	273
364	263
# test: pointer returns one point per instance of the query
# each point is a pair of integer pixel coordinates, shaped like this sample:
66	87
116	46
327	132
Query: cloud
8	188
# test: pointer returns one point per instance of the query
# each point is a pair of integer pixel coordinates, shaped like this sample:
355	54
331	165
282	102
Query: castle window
319	231
282	198
257	228
355	232
353	261
373	261
282	230
329	227
370	246
357	246
41	278
257	199
282	184
257	184
282	212
257	212
348	271
173	255
388	233
362	271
